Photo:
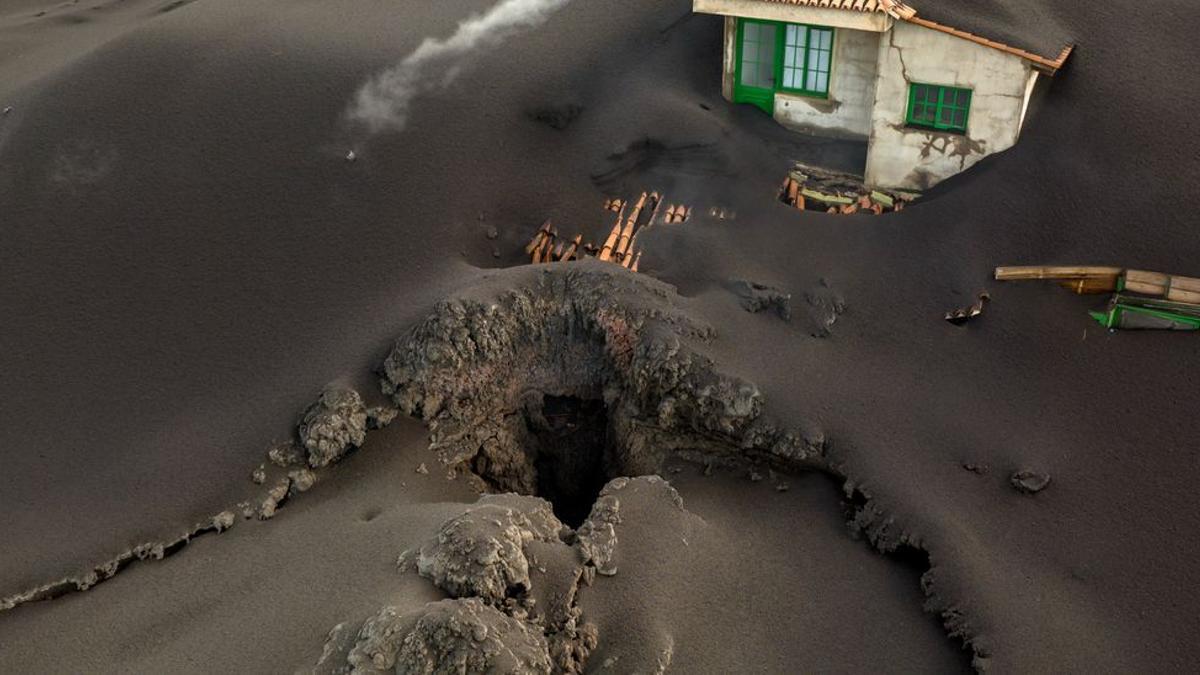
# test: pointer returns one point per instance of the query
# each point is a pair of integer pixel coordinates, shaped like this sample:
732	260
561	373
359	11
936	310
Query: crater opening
569	445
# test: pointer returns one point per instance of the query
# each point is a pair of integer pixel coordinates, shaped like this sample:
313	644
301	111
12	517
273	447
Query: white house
930	100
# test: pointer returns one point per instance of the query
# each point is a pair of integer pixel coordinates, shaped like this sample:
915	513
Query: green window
807	59
774	56
938	107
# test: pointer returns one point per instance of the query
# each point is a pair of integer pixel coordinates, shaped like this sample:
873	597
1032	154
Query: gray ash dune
188	260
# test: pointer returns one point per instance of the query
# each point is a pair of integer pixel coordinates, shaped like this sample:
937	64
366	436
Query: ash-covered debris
482	552
1030	482
580	332
825	305
597	537
286	454
756	297
332	426
463	635
556	115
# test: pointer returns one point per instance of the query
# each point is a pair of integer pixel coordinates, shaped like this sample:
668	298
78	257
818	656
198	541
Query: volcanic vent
583	374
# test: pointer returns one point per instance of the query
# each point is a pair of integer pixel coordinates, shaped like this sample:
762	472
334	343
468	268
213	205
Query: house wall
728	62
847	111
916	159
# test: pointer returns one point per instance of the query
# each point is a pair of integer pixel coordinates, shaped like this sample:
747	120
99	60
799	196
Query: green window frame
806	57
784	57
939	107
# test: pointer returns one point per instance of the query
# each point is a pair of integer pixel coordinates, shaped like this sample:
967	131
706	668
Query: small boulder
482	552
333	426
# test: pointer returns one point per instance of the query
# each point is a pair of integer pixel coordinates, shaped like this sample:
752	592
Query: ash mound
579	375
513	574
482	552
449	636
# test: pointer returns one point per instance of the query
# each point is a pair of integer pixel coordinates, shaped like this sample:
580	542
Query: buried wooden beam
657	200
606	251
538	237
1059	273
636	262
572	250
1171	287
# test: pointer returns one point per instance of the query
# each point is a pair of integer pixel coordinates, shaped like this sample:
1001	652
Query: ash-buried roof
1018	27
893	7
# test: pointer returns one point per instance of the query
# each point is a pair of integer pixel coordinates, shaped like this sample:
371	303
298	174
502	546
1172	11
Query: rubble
462	635
756	297
824	305
959	317
481	553
815	189
1140	300
333	426
546	245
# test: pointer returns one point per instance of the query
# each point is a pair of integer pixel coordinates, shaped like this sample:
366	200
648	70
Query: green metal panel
1130	312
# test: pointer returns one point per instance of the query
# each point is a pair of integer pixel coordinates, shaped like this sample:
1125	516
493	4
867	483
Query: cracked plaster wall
917	159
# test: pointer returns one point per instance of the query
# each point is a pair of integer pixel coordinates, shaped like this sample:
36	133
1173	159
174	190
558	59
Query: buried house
930	100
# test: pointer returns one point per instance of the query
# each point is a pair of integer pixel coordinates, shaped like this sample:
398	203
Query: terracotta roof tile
894	8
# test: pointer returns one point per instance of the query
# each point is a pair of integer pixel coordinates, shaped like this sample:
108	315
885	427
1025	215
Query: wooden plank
882	199
1021	273
825	198
1165	280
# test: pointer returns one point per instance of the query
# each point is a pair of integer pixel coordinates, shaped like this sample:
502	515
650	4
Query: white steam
383	102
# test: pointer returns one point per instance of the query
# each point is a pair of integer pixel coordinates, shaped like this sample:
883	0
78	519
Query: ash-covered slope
189	258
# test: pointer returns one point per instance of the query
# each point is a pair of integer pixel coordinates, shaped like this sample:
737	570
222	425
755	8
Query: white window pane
766	74
799	38
749	50
791	35
751	31
823	82
811	85
789	57
826	39
823	62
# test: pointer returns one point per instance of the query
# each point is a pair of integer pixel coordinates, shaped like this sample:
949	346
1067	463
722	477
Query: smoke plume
382	104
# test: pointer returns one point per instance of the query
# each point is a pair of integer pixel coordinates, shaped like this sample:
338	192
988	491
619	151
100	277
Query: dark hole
571	435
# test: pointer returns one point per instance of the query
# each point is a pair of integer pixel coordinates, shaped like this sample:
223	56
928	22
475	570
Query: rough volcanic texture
463	635
756	297
482	552
488	557
585	331
335	424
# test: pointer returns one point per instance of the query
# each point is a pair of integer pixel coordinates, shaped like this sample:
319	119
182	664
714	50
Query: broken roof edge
897	10
1042	64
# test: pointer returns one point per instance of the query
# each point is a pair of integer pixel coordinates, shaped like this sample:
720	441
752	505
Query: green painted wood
939	107
759	63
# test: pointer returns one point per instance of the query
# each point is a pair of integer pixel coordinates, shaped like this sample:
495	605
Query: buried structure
929	100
